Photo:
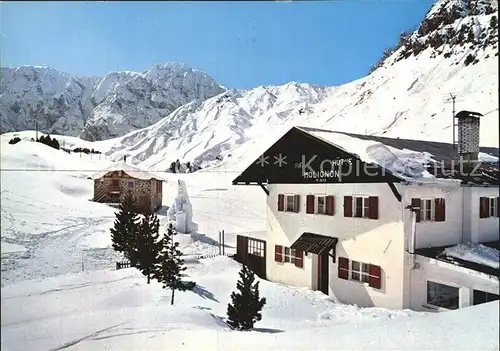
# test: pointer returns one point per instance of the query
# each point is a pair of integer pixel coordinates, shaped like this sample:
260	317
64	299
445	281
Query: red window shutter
281	202
299	258
330	205
483	207
373	207
343	268
347	206
416	203
375	280
297	203
440	210
278	253
310	204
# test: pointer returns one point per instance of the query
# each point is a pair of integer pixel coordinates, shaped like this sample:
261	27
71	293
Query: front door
323	273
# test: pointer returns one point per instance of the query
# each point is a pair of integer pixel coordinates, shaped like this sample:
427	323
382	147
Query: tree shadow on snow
268	330
207	240
201	291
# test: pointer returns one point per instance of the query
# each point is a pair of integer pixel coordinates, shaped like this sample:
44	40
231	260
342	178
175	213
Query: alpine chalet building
378	221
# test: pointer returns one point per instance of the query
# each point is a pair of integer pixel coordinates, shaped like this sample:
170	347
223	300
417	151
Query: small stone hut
113	183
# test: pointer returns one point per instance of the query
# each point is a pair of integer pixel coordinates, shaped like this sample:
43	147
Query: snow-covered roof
475	252
131	170
480	257
405	158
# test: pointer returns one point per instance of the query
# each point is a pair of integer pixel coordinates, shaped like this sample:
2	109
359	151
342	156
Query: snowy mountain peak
99	107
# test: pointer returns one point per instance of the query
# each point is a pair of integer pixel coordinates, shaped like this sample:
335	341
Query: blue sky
240	44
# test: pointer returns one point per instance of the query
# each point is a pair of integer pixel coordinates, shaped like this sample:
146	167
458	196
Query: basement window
480	297
442	295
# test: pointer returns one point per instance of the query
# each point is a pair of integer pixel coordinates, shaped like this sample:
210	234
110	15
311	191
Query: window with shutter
286	254
488	207
361	206
310	204
291	203
321	204
360	272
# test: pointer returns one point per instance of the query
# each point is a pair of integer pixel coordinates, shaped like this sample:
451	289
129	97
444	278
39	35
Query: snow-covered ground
60	288
117	310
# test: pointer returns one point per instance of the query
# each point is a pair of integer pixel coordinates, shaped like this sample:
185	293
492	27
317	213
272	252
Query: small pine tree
246	305
170	266
125	230
148	246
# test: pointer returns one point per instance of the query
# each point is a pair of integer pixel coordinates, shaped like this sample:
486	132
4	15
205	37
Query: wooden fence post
220	240
223	242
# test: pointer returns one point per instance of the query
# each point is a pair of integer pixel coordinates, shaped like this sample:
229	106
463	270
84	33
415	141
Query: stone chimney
468	138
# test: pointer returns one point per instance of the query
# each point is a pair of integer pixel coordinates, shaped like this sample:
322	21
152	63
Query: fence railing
126	264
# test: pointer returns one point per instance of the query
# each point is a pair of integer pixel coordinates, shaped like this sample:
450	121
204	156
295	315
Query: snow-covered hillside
409	95
97	108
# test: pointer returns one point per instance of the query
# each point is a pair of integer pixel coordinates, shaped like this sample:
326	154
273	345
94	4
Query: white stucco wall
462	215
431	234
379	242
445	273
384	242
488	228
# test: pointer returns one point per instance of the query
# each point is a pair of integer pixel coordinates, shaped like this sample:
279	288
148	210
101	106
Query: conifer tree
125	231
246	305
148	246
170	266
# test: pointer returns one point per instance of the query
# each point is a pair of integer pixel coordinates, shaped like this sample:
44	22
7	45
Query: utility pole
453	97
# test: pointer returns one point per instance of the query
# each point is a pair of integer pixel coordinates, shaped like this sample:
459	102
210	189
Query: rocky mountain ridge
97	108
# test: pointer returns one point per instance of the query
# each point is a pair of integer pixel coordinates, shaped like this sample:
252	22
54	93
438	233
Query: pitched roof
402	155
398	159
131	170
442	152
